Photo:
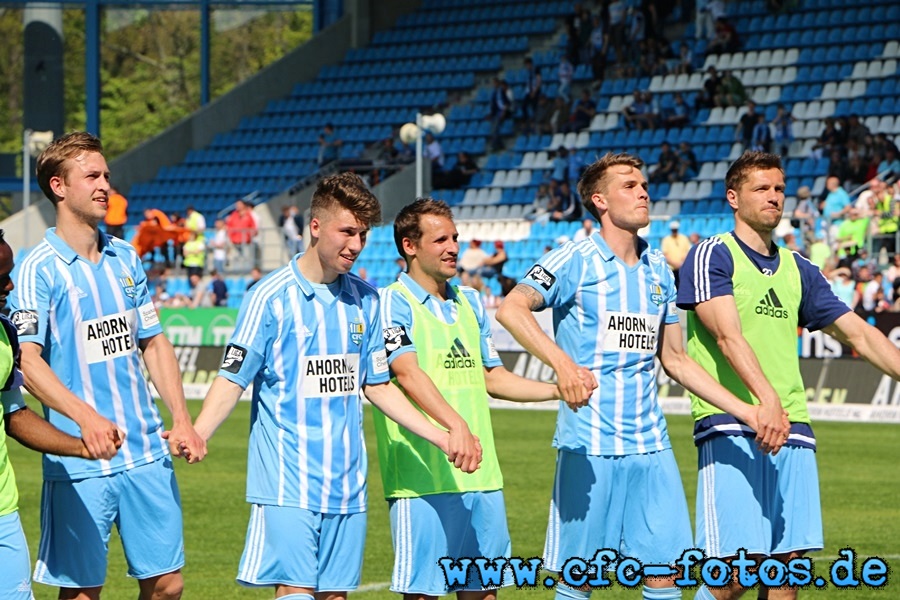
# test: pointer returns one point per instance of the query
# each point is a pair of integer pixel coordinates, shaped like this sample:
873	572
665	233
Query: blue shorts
452	525
633	505
77	518
302	548
15	584
764	504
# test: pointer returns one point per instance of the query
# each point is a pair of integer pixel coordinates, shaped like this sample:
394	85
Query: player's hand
100	436
185	442
773	428
576	385
463	451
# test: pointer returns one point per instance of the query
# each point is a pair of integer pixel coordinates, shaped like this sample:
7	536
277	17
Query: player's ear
731	197
599	200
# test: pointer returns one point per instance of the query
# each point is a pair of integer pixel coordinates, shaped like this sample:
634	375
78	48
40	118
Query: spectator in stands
616	9
291	224
539	206
893	278
599	44
837	202
559	170
843	286
583	112
885	213
242	230
364	275
566	206
199	296
881	144
175	250
491	267
708	95
688	167
684	65
434	153
544	115
329	145
532	92
470	261
675	248
218	290
695	238
219	245
743	130
587	228
857	131
827	141
873	300
761	140
677	115
890	166
502	102
565	73
805	215
560	117
708	12
195	221
666	168
116	214
636	29
255	276
726	39
639	113
194	251
730	91
856	170
583	24
838	166
783	123
851	233
459	176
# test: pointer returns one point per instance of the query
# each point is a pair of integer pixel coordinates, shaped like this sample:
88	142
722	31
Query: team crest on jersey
656	295
128	285
356	332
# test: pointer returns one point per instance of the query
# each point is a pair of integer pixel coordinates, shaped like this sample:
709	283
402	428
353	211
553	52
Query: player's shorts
77	518
303	548
633	505
15	584
764	504
451	525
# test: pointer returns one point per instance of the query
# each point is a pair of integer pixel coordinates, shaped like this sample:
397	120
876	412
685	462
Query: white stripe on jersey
278	366
596	414
27	283
620	371
702	291
301	409
259	305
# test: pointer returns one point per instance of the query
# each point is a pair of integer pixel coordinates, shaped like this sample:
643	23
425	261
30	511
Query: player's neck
623	243
313	271
758	241
81	237
434	287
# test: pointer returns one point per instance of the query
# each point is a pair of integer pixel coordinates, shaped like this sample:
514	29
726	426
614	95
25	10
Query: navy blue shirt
708	269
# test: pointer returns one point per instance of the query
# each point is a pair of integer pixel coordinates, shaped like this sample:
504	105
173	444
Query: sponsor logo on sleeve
149	317
26	322
379	362
234	358
542	276
492	349
395	338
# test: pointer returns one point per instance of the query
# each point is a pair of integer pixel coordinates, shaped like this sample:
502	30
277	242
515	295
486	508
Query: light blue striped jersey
607	317
397	318
89	319
307	354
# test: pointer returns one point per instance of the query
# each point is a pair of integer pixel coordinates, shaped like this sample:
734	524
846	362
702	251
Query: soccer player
30	430
441	354
85	319
746	299
613	299
309	338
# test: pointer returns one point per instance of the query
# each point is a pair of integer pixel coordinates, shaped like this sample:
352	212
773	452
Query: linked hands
185	442
576	384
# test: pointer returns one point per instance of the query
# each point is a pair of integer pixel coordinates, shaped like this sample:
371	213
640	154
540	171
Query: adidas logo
771	306
458	357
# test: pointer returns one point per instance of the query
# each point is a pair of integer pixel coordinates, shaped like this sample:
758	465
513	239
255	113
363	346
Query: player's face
85	188
438	249
6	267
340	238
760	200
626	200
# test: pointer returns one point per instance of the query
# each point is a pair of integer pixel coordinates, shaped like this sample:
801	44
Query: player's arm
101	436
462	446
506	385
222	397
391	401
575	383
694	378
35	433
720	317
159	356
868	341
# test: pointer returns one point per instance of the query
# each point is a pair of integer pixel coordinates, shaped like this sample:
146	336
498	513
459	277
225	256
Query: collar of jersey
607	254
307	288
66	253
419	292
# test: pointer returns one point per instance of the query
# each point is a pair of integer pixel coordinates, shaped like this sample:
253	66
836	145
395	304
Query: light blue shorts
633	505
452	525
15	563
764	504
302	548
145	506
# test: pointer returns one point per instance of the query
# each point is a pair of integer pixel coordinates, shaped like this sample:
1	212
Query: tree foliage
150	67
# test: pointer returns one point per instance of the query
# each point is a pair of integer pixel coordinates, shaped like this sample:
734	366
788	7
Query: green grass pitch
857	466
